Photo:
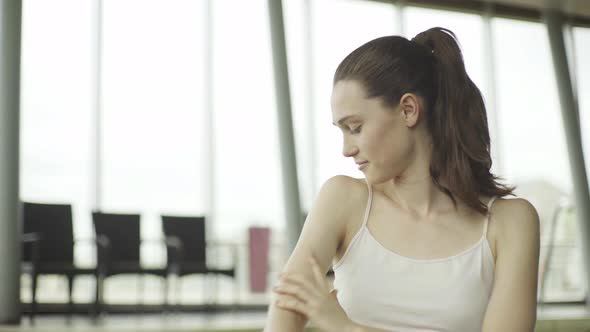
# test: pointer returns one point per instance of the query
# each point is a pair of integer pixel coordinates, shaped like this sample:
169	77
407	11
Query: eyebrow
341	121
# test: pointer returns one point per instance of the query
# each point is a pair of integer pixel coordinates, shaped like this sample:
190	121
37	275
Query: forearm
361	328
288	321
280	320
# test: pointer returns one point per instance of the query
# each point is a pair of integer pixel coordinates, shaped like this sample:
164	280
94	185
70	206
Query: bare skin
409	216
407	235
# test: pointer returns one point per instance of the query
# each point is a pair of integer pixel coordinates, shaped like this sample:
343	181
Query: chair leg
70	291
178	286
140	288
33	296
166	303
236	291
215	296
98	294
205	288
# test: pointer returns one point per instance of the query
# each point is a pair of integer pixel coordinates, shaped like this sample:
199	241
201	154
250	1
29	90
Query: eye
356	130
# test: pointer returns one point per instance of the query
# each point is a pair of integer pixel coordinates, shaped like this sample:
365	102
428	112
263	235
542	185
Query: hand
312	298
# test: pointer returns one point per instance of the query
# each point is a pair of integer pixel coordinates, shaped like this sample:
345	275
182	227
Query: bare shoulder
326	223
513	302
342	193
344	182
516	221
506	211
340	201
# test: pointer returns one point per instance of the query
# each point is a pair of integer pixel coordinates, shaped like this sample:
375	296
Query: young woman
425	242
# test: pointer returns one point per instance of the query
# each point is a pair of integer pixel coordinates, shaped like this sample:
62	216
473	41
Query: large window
298	28
582	67
247	163
574	274
247	171
532	138
152	118
154	122
57	123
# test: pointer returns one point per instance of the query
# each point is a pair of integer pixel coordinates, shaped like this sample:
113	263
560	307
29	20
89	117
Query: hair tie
423	45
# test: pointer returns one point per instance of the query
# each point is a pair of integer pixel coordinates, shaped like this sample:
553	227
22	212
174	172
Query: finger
296	279
291	303
293	290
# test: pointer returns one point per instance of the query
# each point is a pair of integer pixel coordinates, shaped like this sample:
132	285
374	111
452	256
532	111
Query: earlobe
411	119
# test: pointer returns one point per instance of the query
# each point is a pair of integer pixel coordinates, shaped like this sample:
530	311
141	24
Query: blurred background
171	107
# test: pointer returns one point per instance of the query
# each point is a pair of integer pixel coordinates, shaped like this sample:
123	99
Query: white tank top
379	288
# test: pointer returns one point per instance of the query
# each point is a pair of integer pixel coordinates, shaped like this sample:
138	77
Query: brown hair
431	66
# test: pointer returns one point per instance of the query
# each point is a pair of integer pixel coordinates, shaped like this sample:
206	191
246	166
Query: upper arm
321	235
513	302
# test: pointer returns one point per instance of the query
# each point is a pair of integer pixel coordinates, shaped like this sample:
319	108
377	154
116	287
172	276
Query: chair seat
133	268
57	268
200	268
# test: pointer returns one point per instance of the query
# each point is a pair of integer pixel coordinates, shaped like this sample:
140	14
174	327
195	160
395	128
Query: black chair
119	242
48	246
187	249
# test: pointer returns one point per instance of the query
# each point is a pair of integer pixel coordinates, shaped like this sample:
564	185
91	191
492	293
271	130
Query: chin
378	179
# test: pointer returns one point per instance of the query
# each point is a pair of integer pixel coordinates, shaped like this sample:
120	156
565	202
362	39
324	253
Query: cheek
394	147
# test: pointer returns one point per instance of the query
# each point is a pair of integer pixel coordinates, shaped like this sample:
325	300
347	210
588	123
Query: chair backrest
191	232
123	232
53	222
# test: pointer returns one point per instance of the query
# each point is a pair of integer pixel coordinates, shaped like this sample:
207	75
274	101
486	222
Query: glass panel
531	123
532	140
297	28
582	67
247	171
573	272
56	122
153	118
247	165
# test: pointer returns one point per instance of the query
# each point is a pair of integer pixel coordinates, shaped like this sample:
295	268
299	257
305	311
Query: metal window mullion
96	121
310	96
10	227
492	101
401	18
293	213
554	23
209	123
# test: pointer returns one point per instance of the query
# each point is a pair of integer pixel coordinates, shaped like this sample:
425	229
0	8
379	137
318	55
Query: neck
418	195
414	190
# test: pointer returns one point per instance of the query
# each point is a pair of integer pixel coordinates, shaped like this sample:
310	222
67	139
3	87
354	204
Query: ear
411	109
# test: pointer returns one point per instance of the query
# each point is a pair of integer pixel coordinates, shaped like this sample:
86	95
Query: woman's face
372	132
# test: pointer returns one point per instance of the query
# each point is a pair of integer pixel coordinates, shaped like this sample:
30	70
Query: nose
349	149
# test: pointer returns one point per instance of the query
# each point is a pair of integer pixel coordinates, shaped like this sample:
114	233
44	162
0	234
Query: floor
551	318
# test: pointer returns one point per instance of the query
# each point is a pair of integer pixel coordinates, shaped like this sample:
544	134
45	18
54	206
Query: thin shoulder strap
485	226
368	208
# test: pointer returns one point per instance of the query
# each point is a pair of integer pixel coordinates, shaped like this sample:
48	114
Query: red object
259	245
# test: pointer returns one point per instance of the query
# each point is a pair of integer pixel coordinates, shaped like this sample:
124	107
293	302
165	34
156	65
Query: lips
361	162
363	165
